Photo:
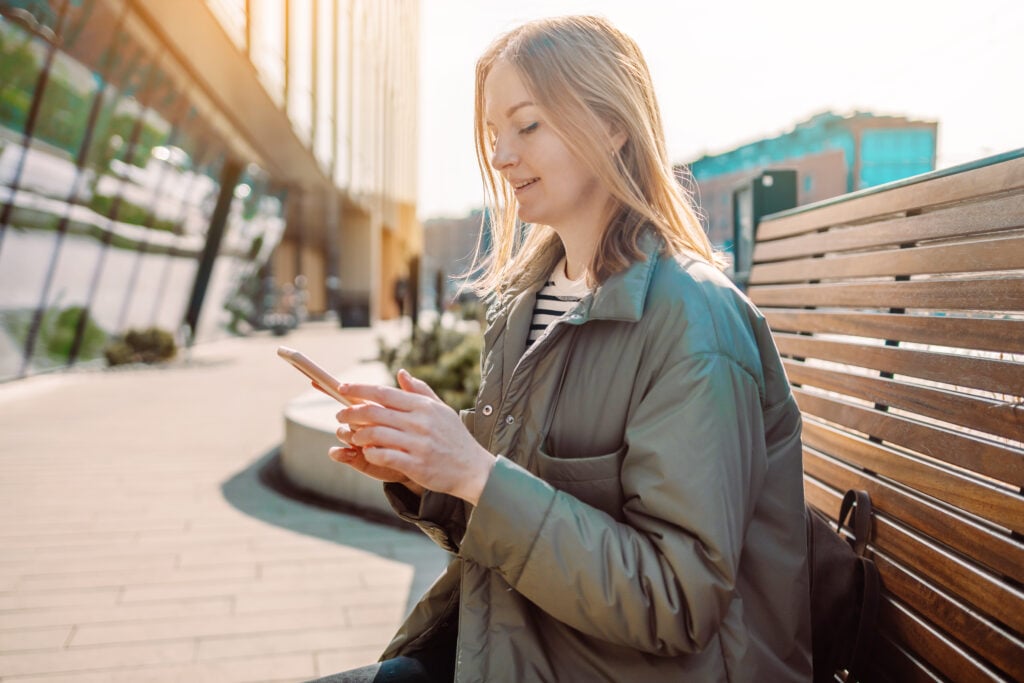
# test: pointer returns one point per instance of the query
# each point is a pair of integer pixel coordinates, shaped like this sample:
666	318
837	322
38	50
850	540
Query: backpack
845	591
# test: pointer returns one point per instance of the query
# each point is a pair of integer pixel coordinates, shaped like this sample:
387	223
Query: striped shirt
558	296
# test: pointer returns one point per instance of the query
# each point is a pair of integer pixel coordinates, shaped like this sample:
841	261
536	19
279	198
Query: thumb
415	386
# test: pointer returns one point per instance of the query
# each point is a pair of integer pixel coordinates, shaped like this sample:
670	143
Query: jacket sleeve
440	516
662	580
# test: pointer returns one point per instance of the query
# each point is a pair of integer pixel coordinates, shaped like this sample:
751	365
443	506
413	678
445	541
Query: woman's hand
354	458
410	432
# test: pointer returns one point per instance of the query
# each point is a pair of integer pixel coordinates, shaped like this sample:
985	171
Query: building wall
112	160
832	155
348	77
820	176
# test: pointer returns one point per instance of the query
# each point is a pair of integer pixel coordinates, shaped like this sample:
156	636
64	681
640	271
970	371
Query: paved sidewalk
137	544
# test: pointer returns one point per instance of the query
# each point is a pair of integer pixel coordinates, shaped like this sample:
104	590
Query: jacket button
509	419
487	410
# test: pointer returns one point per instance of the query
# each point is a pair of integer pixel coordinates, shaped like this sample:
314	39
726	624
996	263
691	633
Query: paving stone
136	577
86	658
32	638
170	629
117	613
30	600
290	668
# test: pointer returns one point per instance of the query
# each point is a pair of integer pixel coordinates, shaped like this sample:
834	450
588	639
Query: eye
530	128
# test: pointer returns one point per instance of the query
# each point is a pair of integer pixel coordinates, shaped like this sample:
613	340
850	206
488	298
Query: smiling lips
523	184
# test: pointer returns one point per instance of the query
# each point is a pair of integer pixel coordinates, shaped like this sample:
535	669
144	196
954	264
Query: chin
526	216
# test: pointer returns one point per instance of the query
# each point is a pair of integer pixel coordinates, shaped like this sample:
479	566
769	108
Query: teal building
831	153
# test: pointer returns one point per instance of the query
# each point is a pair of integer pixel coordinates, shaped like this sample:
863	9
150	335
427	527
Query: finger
384	437
344	434
415	385
345	455
368	414
390	397
319	388
390	458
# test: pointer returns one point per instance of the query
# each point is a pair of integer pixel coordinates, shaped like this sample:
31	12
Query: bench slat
994	645
1006	253
992	179
986	458
995	550
947	656
962	221
986	501
1000	601
978	373
984	334
983	294
893	664
1000	418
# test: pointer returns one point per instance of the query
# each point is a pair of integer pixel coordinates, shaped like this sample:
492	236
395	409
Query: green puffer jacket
645	517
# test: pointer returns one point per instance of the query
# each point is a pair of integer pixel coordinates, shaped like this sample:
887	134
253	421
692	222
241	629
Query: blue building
832	155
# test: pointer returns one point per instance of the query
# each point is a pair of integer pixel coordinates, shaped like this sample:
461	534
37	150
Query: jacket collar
623	295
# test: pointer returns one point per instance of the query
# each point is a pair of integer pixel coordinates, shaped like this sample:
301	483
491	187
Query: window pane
325	79
267	50
300	68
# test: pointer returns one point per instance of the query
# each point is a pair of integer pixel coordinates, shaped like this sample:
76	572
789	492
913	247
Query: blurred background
197	169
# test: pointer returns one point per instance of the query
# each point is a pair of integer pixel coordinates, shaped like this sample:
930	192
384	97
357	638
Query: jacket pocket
594	480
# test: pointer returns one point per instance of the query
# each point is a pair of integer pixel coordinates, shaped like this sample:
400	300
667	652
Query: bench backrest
900	317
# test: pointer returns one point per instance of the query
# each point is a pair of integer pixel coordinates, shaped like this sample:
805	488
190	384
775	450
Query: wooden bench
899	313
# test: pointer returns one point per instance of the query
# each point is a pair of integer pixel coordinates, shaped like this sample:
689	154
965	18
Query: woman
625	501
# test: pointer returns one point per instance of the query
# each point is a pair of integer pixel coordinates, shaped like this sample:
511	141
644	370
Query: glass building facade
134	193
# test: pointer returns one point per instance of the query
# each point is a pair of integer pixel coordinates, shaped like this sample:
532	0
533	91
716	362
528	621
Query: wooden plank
987	374
987	458
945	655
986	334
999	506
892	663
979	294
979	256
1000	418
962	221
993	549
1001	649
998	178
997	599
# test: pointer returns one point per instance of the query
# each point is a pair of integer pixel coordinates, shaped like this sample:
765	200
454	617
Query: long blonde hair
586	75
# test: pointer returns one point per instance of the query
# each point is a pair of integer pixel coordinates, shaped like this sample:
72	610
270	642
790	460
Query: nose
503	156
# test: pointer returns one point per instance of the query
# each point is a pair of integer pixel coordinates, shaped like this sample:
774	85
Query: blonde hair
586	75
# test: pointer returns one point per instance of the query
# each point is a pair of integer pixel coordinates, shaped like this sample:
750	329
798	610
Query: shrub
151	345
55	332
447	359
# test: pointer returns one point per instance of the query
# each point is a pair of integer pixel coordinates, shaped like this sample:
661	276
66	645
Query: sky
728	72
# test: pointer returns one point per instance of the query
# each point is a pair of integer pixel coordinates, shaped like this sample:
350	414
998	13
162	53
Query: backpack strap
859	503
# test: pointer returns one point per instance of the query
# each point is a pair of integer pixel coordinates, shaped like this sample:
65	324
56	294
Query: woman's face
551	185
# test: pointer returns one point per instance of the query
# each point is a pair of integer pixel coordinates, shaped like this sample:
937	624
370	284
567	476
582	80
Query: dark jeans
436	664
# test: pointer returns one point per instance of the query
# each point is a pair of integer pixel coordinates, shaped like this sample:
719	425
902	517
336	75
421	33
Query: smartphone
314	372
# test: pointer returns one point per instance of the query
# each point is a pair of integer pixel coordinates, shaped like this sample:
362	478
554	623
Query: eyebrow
513	109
